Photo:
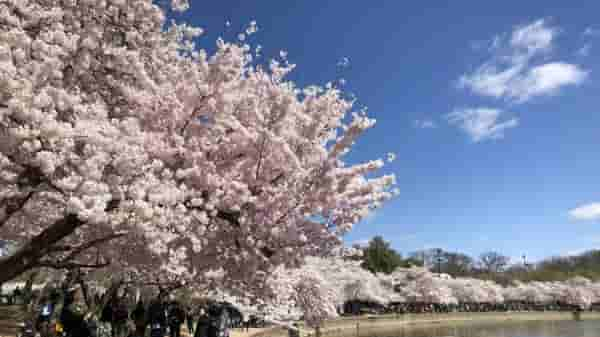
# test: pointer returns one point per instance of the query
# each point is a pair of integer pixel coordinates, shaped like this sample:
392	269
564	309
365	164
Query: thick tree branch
79	249
31	178
27	257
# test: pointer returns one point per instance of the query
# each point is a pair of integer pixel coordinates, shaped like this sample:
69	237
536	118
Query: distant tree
379	257
493	262
437	259
427	257
457	264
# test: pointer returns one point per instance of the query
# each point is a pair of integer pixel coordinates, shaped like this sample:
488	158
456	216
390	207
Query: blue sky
491	108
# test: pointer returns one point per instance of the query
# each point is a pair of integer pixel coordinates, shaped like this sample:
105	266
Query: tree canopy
123	142
379	257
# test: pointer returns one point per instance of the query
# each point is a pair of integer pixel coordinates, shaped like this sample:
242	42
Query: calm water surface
584	328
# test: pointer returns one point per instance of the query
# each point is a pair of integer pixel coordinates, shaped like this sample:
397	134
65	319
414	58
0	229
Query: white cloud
512	71
425	124
589	211
481	123
533	38
548	79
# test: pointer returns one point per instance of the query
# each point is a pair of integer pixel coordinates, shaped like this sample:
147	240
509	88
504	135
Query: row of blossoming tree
125	145
326	284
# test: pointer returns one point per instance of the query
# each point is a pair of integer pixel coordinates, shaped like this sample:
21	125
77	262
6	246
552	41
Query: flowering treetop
117	131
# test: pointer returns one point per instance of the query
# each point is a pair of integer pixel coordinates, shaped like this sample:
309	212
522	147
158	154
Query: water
584	328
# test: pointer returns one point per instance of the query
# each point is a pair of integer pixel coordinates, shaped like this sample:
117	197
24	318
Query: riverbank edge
367	326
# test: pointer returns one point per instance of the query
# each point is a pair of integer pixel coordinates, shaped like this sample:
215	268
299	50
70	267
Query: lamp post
438	255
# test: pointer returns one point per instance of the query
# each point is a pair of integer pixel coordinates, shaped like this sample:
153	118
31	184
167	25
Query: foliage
379	257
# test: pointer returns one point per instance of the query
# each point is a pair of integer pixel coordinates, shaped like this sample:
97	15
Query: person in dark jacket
157	318
176	318
218	317
138	316
189	318
17	296
120	315
107	313
72	318
202	325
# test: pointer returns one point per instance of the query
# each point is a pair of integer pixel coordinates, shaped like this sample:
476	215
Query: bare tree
493	262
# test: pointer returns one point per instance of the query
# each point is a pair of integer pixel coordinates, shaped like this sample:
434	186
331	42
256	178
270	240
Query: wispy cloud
515	71
481	123
586	212
425	124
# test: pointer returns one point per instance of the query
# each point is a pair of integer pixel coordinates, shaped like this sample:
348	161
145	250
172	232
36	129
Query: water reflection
516	329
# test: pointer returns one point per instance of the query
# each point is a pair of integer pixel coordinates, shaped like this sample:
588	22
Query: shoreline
369	326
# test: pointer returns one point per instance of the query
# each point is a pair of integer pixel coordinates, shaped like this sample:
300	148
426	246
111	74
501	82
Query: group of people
16	296
75	313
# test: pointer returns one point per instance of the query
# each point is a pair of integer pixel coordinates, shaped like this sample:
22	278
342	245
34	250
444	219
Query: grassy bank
379	325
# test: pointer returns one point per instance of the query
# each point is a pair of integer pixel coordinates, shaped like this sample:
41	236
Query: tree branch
79	249
260	157
26	257
192	116
71	265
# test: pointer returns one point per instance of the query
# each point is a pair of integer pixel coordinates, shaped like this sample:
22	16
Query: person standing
246	323
17	296
176	318
189	318
138	315
157	318
72	317
120	315
43	321
202	325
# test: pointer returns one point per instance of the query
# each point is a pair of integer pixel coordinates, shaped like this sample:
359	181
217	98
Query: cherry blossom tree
122	141
321	284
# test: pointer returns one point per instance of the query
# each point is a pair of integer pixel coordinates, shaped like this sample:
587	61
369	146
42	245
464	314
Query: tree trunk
27	257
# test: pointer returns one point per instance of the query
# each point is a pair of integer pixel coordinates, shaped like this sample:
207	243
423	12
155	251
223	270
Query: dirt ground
8	316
